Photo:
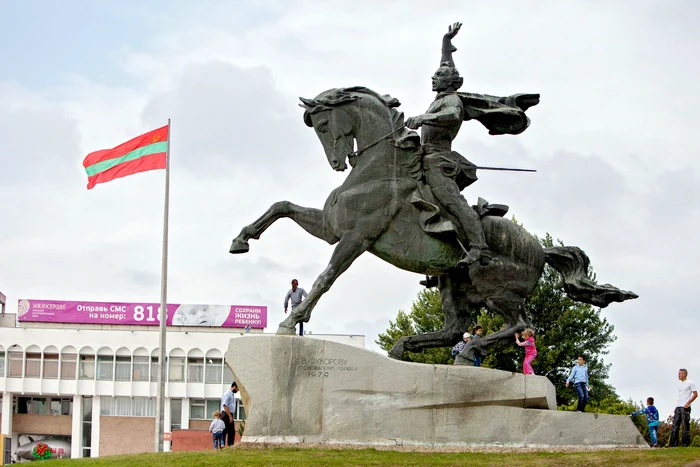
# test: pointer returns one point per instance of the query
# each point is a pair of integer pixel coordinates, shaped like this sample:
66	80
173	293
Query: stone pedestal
302	390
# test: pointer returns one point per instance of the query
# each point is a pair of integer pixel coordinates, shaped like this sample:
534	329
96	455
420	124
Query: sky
613	140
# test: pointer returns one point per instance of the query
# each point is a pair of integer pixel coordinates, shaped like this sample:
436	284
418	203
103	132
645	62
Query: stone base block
301	390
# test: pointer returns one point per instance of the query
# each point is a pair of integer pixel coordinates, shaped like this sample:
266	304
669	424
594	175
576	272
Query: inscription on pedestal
323	367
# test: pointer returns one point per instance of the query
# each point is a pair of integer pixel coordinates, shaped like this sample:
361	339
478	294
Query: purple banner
224	316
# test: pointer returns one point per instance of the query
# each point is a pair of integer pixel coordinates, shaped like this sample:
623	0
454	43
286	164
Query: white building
94	386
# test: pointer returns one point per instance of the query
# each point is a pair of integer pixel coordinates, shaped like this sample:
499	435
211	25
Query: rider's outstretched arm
447	47
451	112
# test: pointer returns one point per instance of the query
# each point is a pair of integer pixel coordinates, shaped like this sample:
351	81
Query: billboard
225	316
42	447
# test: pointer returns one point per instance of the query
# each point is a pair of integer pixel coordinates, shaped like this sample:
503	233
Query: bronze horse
377	209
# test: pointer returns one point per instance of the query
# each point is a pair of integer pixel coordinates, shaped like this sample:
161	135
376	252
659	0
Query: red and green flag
141	154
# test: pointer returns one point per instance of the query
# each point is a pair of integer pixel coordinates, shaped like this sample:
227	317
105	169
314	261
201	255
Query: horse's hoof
462	360
286	331
396	351
239	246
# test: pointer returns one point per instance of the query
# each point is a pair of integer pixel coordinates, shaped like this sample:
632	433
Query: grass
308	457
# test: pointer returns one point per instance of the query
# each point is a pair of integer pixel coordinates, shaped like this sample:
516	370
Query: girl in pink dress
530	350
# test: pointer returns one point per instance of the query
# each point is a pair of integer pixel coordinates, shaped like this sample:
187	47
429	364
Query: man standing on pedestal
229	404
296	294
687	393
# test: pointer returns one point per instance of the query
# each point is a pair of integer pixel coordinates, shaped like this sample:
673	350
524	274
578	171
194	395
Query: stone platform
302	390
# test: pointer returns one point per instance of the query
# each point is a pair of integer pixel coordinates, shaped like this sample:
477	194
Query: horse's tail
572	263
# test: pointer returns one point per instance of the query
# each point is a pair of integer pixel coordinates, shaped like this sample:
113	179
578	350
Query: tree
425	316
563	330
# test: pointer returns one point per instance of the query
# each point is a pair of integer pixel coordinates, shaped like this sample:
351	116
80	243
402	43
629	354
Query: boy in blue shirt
579	376
652	419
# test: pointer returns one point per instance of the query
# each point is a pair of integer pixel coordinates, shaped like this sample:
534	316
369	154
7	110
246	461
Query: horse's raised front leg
351	245
458	305
310	219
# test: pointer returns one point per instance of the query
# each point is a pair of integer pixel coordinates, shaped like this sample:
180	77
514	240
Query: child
217	430
461	344
478	331
530	349
652	419
579	375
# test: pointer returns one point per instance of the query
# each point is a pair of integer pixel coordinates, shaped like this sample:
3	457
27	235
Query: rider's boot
478	249
480	254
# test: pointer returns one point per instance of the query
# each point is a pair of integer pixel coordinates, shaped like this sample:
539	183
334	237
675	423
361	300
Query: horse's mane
404	137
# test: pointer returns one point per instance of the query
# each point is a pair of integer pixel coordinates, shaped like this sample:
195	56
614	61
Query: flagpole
160	400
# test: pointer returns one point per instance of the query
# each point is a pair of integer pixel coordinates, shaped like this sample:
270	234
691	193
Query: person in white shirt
687	393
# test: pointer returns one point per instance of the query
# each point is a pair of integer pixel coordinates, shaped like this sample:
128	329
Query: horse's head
334	125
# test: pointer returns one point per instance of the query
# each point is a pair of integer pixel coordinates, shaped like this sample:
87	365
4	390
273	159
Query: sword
508	169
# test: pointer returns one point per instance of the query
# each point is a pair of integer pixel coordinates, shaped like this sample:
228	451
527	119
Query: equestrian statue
402	202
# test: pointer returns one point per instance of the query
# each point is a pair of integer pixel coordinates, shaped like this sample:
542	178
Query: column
185	414
6	428
76	437
166	424
96	409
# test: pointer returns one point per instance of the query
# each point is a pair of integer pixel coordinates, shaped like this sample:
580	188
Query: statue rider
448	172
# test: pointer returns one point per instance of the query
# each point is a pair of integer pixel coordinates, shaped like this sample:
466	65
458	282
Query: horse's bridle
360	151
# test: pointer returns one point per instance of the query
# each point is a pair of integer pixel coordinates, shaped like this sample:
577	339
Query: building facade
90	390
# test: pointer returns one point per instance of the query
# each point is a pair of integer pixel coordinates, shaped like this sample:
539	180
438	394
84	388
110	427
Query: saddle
432	219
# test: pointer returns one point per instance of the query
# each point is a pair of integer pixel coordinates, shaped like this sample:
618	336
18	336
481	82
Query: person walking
652	420
229	406
216	429
296	294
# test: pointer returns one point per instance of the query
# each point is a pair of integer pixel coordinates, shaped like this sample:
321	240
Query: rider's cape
500	115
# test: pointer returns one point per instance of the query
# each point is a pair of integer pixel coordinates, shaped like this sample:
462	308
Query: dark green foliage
425	316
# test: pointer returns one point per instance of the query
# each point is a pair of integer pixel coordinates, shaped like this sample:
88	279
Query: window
128	406
241	411
175	414
87	426
105	367
32	366
141	368
2	364
122	369
195	370
143	407
87	367
214	370
202	409
177	369
68	365
15	364
228	376
197	409
31	405
61	406
50	366
155	367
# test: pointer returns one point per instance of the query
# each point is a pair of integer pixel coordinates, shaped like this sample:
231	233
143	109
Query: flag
141	154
